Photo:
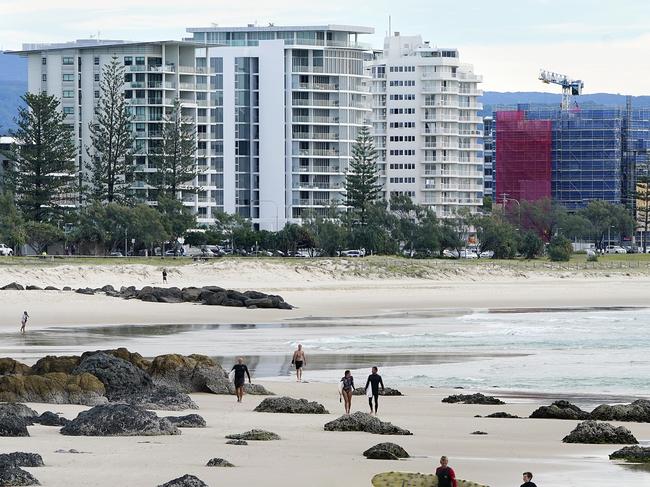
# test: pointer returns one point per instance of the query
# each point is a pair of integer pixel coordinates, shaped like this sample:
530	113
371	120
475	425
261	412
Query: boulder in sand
20	459
385	451
51	363
290	405
12	286
188	421
12	425
17	409
237	442
118	420
636	454
637	412
477	398
388	391
185	481
14	476
53	388
560	410
254	435
593	432
48	418
364	422
219	462
502	414
393	479
9	366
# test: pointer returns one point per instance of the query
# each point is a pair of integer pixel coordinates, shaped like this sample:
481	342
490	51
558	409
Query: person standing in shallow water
241	371
299	360
374	381
528	477
23	322
164	274
446	475
347	386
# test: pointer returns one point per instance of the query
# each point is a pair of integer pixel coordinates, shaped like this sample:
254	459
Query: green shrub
560	249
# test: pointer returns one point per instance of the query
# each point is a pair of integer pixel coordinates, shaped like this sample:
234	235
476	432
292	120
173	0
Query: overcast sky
604	42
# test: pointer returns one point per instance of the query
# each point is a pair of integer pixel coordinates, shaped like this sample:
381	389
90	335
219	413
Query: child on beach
23	322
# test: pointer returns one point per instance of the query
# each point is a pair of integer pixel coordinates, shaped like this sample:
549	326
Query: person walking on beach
528	477
164	274
240	370
347	386
446	475
23	322
374	381
299	360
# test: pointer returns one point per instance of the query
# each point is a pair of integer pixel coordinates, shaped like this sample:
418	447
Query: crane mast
570	87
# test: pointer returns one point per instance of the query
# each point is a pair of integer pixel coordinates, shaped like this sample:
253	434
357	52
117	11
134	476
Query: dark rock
219	462
85	290
191	294
260	303
385	451
51	288
477	398
237	442
255	295
477	432
20	459
120	378
31	287
212	299
188	421
161	398
168	294
290	405
17	409
637	454
185	481
48	418
502	414
232	302
560	410
284	305
593	432
9	366
53	388
51	363
118	420
12	425
361	391
638	412
236	295
71	450
67	288
108	289
13	286
134	357
364	422
128	292
254	435
13	476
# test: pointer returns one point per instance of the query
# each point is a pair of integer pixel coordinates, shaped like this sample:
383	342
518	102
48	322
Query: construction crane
570	87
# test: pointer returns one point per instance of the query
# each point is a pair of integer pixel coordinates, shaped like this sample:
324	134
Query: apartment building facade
315	77
426	124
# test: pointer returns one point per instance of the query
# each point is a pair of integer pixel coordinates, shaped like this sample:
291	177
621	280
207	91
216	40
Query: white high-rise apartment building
426	125
291	100
156	73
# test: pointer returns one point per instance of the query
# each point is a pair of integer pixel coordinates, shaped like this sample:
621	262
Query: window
68	110
96	61
128	60
68	77
139	61
68	60
68	94
96	76
96	93
44	77
44	61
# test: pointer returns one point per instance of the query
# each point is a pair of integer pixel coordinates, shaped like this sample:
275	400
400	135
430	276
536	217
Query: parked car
468	254
6	251
451	254
615	249
116	254
486	254
353	253
632	249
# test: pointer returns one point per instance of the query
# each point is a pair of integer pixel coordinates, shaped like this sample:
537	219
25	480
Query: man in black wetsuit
240	369
528	477
374	380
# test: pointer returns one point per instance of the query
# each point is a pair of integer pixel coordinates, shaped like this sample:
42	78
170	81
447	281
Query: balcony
315	135
316	86
315	119
318	152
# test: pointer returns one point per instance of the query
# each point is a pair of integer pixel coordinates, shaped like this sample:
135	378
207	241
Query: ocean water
590	351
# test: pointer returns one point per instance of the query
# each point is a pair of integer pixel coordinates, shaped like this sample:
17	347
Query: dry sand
307	455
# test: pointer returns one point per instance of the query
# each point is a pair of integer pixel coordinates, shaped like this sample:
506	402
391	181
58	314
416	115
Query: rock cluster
188	421
185	481
237	442
53	388
12	425
364	422
385	451
502	414
118	420
477	398
14	476
20	459
290	405
254	435
48	418
219	462
638	454
388	391
593	432
638	412
560	410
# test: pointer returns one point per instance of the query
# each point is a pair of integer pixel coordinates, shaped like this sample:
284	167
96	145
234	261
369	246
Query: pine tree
642	195
174	158
361	181
110	169
44	158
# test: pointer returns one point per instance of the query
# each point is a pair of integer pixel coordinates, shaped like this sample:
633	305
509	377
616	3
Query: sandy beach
306	452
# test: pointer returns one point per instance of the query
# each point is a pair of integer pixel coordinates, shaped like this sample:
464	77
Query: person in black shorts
240	370
528	477
164	274
374	381
299	360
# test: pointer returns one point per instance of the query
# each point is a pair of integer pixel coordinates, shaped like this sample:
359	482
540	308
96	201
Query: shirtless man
299	360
